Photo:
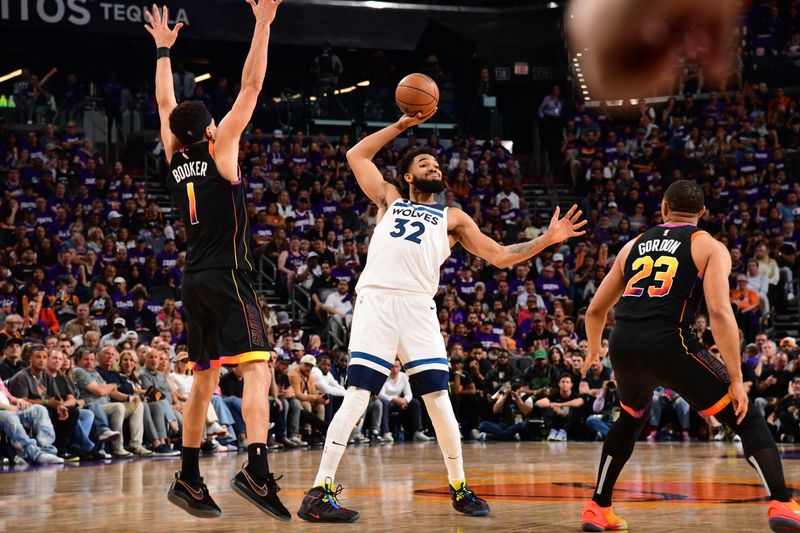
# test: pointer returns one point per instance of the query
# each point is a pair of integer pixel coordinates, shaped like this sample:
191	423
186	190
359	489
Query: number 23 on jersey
662	281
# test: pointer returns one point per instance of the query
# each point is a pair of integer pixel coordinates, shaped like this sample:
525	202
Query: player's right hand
408	121
593	355
265	10
159	27
739	399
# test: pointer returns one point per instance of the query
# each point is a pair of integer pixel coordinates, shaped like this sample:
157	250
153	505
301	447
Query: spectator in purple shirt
168	256
465	284
328	206
288	263
550	286
64	267
487	336
139	253
341	271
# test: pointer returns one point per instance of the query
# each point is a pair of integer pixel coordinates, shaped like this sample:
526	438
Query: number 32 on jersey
662	281
414	230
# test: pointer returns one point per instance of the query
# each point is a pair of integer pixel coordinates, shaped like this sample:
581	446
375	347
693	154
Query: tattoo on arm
523	247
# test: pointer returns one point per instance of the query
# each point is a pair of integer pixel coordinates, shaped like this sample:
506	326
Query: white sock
354	404
447	435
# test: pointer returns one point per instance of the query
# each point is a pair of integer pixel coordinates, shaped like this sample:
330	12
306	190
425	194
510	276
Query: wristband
162	51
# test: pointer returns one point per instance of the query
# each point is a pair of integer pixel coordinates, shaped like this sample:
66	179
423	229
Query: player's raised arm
720	315
368	176
605	298
164	37
229	131
466	231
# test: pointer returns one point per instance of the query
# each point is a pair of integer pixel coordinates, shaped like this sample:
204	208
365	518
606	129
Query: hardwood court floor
402	487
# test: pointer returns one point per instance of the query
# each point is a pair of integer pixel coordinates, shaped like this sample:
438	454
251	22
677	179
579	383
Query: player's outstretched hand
408	121
739	399
158	27
265	10
562	229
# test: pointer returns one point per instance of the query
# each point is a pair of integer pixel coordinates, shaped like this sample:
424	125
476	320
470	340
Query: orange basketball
416	93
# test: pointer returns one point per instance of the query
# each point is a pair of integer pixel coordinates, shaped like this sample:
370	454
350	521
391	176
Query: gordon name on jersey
659	245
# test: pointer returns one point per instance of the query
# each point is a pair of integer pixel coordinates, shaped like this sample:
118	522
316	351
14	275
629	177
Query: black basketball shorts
648	354
225	324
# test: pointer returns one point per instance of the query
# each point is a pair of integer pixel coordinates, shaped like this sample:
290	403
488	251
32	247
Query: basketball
416	93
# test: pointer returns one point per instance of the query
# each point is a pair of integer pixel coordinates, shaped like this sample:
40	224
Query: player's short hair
685	196
404	166
566	375
188	122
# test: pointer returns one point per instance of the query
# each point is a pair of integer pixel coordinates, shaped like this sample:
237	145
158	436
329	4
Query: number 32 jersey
408	247
213	210
661	279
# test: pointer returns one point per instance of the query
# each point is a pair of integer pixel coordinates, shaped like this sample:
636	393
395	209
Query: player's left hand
265	10
159	27
739	399
565	228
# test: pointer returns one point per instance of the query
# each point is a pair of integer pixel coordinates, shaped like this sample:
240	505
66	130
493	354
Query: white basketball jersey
407	248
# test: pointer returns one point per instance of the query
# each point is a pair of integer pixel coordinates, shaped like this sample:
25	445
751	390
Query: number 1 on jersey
192	203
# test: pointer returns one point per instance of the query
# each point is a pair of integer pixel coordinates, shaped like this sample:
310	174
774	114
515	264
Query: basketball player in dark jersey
658	279
225	322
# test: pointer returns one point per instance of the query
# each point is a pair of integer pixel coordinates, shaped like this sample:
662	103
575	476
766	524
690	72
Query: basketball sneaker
321	504
193	498
465	501
784	516
261	492
596	518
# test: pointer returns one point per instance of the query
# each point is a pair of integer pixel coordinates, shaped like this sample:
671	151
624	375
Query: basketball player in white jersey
395	315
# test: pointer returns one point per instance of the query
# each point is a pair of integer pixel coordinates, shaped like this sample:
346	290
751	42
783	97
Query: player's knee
357	397
257	370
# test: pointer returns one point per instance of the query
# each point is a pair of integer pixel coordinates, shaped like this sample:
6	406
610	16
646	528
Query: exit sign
521	69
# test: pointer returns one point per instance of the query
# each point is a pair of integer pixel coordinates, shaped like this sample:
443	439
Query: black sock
771	472
190	465
617	449
760	450
257	460
610	469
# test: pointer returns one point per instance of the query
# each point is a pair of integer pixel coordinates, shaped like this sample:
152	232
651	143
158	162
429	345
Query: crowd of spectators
94	336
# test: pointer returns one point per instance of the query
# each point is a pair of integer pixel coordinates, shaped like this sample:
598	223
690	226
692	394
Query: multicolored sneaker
465	501
784	516
193	498
596	518
321	504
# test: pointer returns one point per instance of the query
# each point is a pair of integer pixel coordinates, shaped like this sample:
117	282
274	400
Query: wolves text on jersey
410	212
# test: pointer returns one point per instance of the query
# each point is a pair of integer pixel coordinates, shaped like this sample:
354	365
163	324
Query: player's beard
427	186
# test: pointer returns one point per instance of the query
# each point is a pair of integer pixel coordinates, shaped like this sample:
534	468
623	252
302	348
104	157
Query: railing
268	270
301	300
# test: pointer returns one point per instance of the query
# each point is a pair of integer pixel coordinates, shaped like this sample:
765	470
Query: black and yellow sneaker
193	498
261	492
465	501
321	504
